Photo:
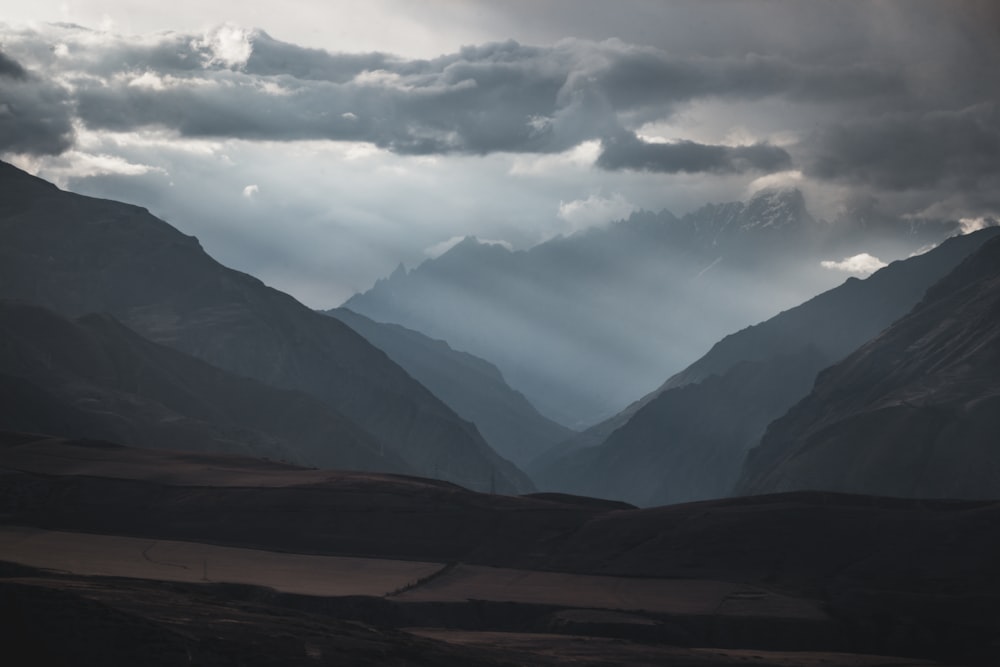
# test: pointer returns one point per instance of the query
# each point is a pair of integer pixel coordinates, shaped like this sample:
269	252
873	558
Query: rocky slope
687	440
915	412
78	255
95	378
472	387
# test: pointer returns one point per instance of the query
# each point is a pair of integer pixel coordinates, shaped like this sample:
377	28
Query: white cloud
251	191
228	45
78	164
777	180
970	225
381	78
581	156
862	264
594	210
923	250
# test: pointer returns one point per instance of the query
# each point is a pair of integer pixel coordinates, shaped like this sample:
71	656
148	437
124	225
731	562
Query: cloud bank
499	97
365	159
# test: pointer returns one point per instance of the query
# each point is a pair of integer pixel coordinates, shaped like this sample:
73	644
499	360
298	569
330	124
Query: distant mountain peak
399	272
776	207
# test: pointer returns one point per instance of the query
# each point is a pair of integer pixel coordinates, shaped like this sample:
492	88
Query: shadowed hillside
687	440
96	378
472	387
78	255
914	413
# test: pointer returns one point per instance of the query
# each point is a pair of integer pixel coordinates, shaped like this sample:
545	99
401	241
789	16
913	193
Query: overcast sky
317	144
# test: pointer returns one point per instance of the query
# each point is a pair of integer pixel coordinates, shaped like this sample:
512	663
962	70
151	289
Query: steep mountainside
687	440
688	443
472	387
915	412
583	324
96	378
78	255
835	322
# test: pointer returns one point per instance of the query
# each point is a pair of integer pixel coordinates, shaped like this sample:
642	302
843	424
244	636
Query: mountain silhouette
687	440
96	378
472	387
915	412
77	255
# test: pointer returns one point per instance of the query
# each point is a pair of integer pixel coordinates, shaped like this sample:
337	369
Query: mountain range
78	255
472	387
583	324
116	329
915	412
117	326
687	440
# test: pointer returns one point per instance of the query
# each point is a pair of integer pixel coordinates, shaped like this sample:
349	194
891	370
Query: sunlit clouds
861	264
382	134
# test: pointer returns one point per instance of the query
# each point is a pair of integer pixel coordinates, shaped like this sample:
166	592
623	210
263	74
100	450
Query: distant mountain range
77	255
116	326
581	325
472	387
914	412
687	440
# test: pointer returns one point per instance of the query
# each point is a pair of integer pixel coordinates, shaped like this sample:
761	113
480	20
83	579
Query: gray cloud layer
495	97
35	115
902	97
912	150
10	68
627	151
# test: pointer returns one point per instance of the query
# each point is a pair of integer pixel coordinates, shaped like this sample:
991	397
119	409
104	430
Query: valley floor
115	555
72	619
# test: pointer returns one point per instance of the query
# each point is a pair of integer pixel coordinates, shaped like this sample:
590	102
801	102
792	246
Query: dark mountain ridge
96	378
78	255
472	387
915	412
687	440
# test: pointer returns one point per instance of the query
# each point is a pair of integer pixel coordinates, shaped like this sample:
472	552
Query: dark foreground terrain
116	555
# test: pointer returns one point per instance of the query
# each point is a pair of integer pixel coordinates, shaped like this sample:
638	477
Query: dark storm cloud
911	150
627	151
645	76
35	116
498	97
878	96
271	57
10	68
